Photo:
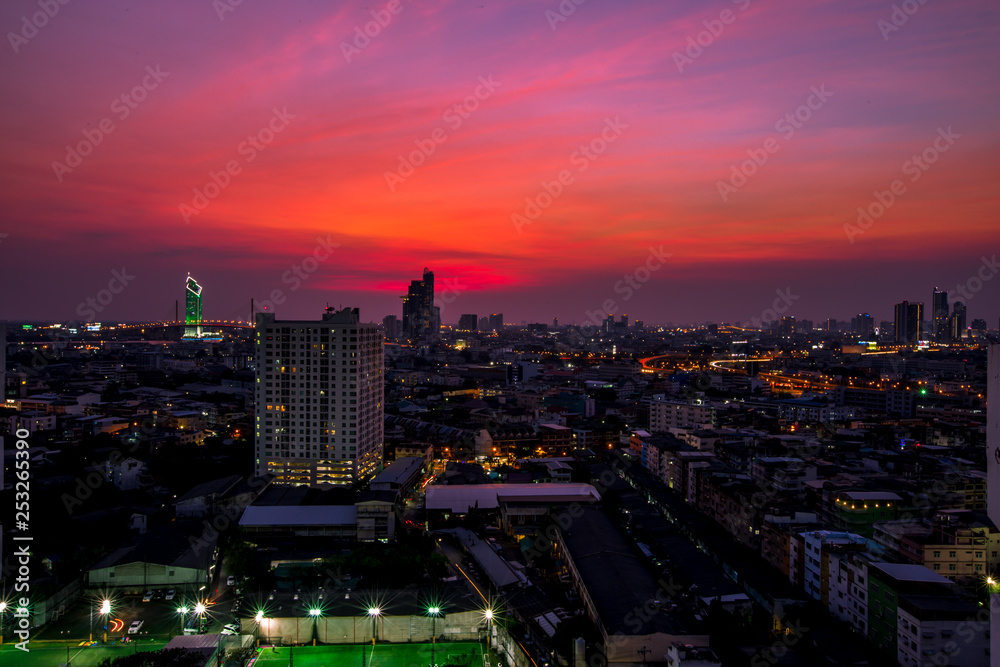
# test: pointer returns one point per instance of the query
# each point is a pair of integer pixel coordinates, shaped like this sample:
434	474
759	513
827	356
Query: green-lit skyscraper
192	308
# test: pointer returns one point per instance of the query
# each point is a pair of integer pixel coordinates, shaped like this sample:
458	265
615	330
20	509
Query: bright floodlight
489	614
374	611
259	617
106	607
434	611
3	605
199	608
991	581
314	612
182	610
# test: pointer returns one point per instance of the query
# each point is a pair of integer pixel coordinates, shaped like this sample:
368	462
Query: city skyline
784	305
531	155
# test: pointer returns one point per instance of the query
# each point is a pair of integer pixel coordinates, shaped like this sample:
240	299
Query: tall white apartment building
319	412
993	481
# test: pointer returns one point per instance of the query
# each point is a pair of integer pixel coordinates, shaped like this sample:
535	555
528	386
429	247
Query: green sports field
53	654
469	654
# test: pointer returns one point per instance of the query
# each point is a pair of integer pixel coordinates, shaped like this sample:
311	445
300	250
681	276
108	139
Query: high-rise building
787	327
192	308
832	326
863	325
979	324
468	322
496	321
319	399
993	477
886	330
908	319
958	320
939	316
484	323
421	318
3	370
390	327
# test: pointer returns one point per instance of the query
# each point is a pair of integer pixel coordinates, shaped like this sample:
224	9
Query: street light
199	609
314	613
433	611
105	610
374	612
3	610
183	611
488	615
258	618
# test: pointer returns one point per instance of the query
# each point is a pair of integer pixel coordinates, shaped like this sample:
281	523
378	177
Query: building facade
319	399
421	318
192	308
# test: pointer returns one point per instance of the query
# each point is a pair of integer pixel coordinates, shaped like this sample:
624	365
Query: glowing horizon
533	160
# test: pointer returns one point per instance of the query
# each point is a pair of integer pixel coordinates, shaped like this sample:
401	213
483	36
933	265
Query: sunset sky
618	98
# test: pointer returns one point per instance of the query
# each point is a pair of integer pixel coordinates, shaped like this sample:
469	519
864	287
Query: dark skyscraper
908	319
939	316
787	327
863	326
468	322
390	327
958	320
496	321
421	318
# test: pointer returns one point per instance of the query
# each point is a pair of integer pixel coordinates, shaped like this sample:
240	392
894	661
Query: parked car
148	596
170	594
231	581
227	631
134	628
235	627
